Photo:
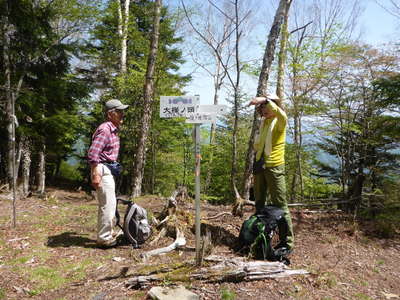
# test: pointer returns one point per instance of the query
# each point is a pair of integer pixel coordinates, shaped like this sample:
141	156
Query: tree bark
218	79
140	158
10	109
281	77
153	165
270	48
41	175
26	166
262	88
18	154
236	99
123	22
297	180
282	55
9	96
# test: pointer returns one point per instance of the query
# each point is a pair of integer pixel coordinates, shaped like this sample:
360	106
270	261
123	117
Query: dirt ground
51	254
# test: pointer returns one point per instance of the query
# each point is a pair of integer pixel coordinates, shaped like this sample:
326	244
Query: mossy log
234	269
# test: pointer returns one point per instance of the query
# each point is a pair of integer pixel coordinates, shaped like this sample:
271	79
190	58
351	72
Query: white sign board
212	109
178	106
200	118
206	114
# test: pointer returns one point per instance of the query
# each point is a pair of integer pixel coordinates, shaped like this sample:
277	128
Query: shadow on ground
70	239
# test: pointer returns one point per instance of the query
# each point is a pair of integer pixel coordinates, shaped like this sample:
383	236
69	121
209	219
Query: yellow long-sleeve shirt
278	138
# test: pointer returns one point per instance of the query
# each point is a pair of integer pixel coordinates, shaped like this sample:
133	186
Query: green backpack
260	233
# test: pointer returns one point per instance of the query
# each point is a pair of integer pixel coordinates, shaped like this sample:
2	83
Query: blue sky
379	26
376	26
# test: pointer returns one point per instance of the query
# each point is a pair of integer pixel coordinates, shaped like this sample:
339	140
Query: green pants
271	182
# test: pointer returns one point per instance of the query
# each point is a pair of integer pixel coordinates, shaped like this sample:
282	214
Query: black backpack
136	227
259	235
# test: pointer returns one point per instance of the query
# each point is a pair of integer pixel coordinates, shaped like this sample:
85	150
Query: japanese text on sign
178	106
201	118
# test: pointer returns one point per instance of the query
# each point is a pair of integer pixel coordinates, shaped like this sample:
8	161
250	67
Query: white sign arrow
200	118
212	109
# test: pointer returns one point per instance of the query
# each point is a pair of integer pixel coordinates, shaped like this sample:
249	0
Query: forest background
61	60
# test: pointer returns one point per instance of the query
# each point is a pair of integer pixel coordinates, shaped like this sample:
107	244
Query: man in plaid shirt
104	149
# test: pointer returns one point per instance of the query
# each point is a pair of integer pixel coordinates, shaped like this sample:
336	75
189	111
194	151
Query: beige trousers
107	205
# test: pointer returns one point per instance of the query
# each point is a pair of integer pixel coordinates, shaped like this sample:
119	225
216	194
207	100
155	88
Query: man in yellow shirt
269	146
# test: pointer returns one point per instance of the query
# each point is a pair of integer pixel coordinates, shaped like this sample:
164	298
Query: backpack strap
261	238
117	215
130	216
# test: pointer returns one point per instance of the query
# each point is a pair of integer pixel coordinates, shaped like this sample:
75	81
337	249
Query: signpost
189	107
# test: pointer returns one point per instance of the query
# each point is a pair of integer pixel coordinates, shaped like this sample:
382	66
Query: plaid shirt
105	144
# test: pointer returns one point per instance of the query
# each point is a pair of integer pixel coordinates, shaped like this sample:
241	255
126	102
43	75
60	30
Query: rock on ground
172	293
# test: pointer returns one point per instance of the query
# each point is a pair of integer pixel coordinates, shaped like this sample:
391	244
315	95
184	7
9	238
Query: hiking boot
106	244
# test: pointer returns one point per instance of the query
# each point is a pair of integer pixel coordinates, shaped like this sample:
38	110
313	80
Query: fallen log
162	234
180	241
218	215
234	269
242	270
325	203
4	187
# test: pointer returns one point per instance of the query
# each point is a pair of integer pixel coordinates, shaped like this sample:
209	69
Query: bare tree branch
300	28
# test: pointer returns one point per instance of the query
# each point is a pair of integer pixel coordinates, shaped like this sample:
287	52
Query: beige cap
115	104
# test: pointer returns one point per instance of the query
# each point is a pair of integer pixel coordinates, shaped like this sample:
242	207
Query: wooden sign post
196	114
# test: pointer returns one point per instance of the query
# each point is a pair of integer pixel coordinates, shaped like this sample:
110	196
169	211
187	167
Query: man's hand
257	101
96	178
96	181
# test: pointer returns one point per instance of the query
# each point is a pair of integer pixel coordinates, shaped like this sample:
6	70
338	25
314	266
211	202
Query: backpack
136	227
259	235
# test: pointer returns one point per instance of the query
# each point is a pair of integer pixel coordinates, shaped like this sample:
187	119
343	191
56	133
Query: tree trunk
26	166
123	22
19	154
56	173
299	161
297	180
281	65
262	88
211	159
270	48
41	174
282	55
140	158
153	164
187	154
355	191
234	143
217	86
10	110
9	97
236	101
